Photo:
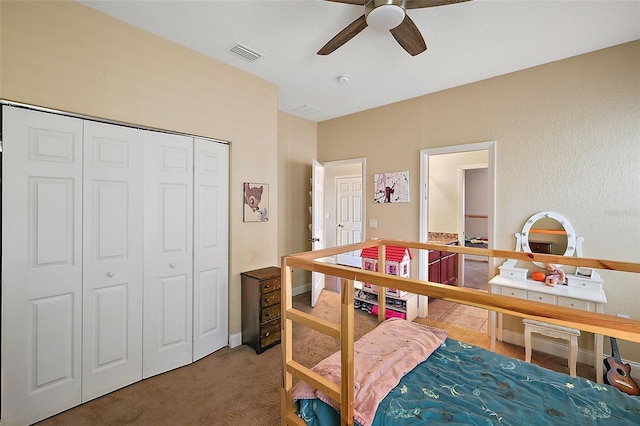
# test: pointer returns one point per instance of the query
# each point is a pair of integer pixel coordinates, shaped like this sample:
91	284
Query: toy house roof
392	253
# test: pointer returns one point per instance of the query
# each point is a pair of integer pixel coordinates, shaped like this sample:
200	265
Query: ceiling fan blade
351	30
409	37
419	4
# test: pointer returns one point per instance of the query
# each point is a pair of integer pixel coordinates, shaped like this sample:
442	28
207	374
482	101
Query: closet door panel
211	242
168	282
41	265
113	255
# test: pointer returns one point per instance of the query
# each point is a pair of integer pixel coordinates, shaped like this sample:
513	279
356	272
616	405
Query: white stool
552	330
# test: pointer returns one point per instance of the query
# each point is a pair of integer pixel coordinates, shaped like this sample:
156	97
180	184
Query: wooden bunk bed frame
622	328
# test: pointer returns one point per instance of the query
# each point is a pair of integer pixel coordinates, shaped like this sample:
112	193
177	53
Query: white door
41	264
349	217
317	225
113	254
168	252
210	247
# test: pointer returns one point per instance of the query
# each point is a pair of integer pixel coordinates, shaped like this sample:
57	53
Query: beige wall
296	148
568	140
65	56
568	133
444	190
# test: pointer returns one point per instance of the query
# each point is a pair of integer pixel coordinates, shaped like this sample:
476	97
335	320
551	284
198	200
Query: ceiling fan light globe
385	17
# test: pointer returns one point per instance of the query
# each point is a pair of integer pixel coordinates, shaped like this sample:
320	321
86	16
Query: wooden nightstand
261	308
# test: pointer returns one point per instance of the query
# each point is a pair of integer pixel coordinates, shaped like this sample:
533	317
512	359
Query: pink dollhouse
397	261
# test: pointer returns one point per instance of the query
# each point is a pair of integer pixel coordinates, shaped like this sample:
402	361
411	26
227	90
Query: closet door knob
173	265
110	274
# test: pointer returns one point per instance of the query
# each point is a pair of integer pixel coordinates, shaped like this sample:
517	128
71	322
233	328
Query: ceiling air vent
305	110
245	52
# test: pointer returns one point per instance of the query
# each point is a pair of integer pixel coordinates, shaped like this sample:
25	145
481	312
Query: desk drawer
514	292
576	304
541	297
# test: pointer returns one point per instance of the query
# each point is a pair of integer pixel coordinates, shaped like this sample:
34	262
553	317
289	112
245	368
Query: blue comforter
465	384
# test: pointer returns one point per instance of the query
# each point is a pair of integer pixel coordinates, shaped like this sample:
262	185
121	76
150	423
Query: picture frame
255	199
391	187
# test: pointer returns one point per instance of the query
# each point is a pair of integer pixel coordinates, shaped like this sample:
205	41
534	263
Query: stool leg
573	356
527	344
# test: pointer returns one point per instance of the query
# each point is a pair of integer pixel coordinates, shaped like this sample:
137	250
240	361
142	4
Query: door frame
362	161
462	211
336	179
423	260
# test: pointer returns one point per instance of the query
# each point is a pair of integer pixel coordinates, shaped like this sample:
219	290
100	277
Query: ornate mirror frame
574	244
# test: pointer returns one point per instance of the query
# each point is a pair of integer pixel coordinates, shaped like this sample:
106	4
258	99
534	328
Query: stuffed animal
555	275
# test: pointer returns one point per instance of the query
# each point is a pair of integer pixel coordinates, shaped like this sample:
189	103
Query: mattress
464	384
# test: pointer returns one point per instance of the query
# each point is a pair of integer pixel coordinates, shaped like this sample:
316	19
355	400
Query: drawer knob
110	273
173	265
266	286
266	334
572	304
539	297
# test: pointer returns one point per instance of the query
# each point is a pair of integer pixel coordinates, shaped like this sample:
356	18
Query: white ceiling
466	42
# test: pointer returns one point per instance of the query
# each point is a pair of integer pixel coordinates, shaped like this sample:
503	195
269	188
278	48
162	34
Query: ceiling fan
387	15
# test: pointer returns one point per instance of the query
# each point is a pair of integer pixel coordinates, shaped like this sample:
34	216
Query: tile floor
463	316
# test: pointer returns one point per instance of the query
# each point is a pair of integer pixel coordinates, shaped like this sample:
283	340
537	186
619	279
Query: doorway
473	228
341	221
439	209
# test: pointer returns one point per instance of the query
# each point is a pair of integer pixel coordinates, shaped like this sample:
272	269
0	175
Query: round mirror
549	233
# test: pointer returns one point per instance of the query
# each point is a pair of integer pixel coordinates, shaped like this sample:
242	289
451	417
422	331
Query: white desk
560	295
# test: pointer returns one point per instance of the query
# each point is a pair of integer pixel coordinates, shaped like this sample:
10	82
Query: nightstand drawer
270	298
267	286
270	340
541	297
576	304
270	329
272	312
514	292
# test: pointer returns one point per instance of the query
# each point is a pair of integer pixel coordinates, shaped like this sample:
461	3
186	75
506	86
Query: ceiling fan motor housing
384	14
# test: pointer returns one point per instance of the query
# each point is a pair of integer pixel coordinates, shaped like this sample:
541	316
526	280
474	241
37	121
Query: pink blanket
381	358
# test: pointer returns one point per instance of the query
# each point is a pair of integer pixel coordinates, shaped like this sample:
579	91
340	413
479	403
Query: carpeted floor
237	387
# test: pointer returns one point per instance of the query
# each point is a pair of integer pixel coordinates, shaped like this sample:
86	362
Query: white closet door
211	247
41	265
113	243
168	253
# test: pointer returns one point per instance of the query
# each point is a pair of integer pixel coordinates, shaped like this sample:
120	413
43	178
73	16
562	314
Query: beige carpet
237	387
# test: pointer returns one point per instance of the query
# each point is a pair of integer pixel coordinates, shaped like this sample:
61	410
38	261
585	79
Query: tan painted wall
296	148
65	56
568	140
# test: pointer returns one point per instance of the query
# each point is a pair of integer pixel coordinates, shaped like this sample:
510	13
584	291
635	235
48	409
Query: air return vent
245	53
305	110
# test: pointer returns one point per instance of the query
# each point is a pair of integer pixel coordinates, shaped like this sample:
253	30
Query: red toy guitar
618	373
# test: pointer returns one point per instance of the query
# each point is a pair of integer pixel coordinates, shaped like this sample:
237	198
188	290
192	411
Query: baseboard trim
235	340
301	289
561	350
